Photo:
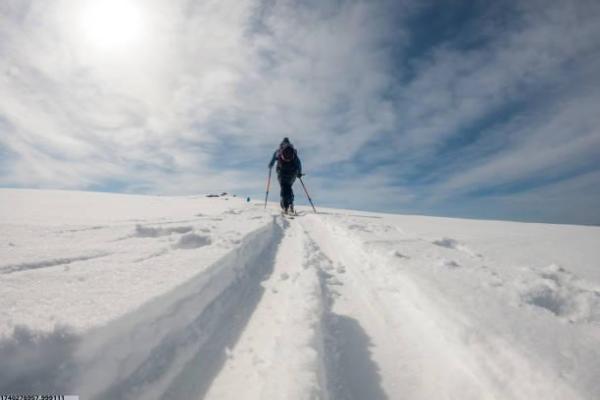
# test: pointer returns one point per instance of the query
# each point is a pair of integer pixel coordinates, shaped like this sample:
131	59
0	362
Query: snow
130	297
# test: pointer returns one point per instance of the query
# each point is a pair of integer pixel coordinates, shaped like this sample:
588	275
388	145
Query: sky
454	108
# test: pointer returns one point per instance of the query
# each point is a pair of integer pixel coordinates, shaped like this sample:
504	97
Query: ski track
329	328
468	364
279	355
154	350
11	268
296	346
335	331
294	311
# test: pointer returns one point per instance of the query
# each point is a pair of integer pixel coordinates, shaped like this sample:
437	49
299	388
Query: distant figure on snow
288	169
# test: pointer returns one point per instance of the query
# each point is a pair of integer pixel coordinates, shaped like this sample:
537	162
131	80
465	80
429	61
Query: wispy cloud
398	106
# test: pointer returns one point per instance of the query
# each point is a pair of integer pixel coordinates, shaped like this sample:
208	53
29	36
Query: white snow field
112	296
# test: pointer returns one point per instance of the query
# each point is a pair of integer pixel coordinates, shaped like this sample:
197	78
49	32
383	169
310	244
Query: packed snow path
218	299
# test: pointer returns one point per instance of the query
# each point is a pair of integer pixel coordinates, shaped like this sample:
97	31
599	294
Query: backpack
286	160
286	154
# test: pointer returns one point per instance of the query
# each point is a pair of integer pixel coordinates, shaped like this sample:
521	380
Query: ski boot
283	208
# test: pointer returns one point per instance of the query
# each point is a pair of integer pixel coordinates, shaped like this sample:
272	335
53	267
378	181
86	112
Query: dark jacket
292	168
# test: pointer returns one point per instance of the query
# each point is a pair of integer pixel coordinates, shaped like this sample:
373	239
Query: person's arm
273	159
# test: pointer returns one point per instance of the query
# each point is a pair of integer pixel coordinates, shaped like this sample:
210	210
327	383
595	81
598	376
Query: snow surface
140	297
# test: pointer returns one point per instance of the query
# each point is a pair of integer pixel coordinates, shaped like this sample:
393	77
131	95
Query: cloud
556	141
396	106
203	80
455	87
568	201
514	112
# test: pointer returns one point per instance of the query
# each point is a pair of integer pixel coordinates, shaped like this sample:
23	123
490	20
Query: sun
112	24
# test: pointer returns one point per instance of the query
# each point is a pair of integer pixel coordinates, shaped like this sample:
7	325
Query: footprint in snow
563	294
331	279
149	231
360	228
153	255
446	242
455	245
448	264
192	241
334	282
397	253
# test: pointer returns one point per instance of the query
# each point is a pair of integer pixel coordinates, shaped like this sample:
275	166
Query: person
288	169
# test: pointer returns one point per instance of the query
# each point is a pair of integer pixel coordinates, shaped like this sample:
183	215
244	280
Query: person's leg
291	194
282	192
286	194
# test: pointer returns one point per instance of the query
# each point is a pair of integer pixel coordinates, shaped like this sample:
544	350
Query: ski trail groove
295	346
191	328
279	354
173	344
419	338
9	269
349	371
398	323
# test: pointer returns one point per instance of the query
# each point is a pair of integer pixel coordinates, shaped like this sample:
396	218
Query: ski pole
268	186
307	195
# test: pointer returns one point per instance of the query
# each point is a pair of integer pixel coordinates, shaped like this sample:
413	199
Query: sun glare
112	24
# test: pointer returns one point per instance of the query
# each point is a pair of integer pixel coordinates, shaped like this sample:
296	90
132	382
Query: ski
289	215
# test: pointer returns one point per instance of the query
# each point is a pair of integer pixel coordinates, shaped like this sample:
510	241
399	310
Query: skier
288	169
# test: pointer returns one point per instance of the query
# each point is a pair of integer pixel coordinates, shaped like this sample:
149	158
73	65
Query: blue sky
455	108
